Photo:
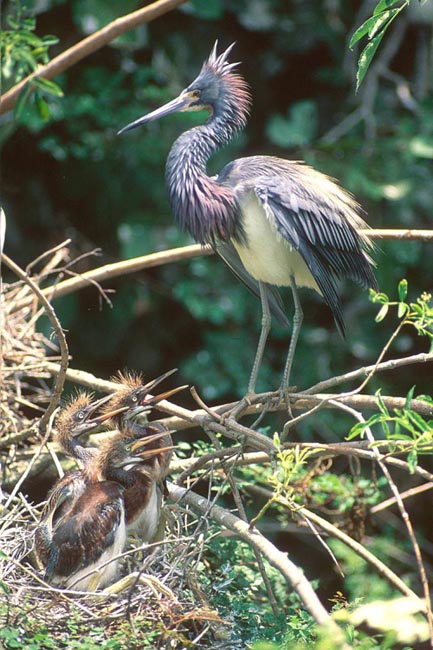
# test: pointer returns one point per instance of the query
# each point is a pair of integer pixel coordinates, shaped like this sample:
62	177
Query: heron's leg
298	317
266	326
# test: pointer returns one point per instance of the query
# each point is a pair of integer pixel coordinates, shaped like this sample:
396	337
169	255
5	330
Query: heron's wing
228	253
87	531
320	221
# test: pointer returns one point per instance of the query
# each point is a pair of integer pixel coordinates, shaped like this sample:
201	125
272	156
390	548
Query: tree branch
89	45
292	573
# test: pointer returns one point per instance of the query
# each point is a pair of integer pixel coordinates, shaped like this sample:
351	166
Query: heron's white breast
266	255
146	524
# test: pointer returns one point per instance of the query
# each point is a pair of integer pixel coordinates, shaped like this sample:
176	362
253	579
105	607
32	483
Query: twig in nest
60	379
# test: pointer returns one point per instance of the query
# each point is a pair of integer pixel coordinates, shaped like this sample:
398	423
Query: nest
159	596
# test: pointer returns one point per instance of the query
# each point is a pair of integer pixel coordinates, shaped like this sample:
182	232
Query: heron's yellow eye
128	448
134	399
80	415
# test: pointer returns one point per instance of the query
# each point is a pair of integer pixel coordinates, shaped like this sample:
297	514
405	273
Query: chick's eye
80	416
134	399
128	448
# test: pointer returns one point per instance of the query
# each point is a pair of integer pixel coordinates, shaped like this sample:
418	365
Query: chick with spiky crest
274	222
74	420
81	549
135	397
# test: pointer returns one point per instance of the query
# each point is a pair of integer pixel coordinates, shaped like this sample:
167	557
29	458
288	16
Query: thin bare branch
407	494
61	374
332	530
117	269
405	516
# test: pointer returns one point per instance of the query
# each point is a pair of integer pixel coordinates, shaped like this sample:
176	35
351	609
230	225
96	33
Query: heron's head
135	398
217	89
133	446
78	417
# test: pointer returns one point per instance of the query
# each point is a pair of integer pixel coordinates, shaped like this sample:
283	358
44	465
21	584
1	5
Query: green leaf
418	421
297	129
50	40
412	460
421	147
402	289
381	404
362	31
402	309
366	57
409	398
43	108
381	22
384	4
21	101
382	313
378	297
48	86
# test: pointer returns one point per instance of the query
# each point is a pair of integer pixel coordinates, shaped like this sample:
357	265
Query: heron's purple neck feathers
201	206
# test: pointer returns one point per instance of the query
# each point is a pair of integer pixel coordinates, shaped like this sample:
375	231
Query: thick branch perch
116	269
89	45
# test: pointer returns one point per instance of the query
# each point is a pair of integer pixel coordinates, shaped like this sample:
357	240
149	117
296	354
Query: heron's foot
284	393
237	411
155	585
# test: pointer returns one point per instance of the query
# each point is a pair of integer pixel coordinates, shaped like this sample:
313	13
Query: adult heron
274	222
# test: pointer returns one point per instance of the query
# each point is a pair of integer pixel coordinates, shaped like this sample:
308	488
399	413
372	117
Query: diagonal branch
88	45
292	573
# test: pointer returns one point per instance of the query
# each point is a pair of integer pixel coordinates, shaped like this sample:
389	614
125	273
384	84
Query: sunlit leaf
366	57
382	313
384	4
409	397
402	289
421	146
412	460
362	31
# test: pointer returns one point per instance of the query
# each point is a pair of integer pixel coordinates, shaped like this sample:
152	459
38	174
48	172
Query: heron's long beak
145	441
151	384
151	400
179	104
94	423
